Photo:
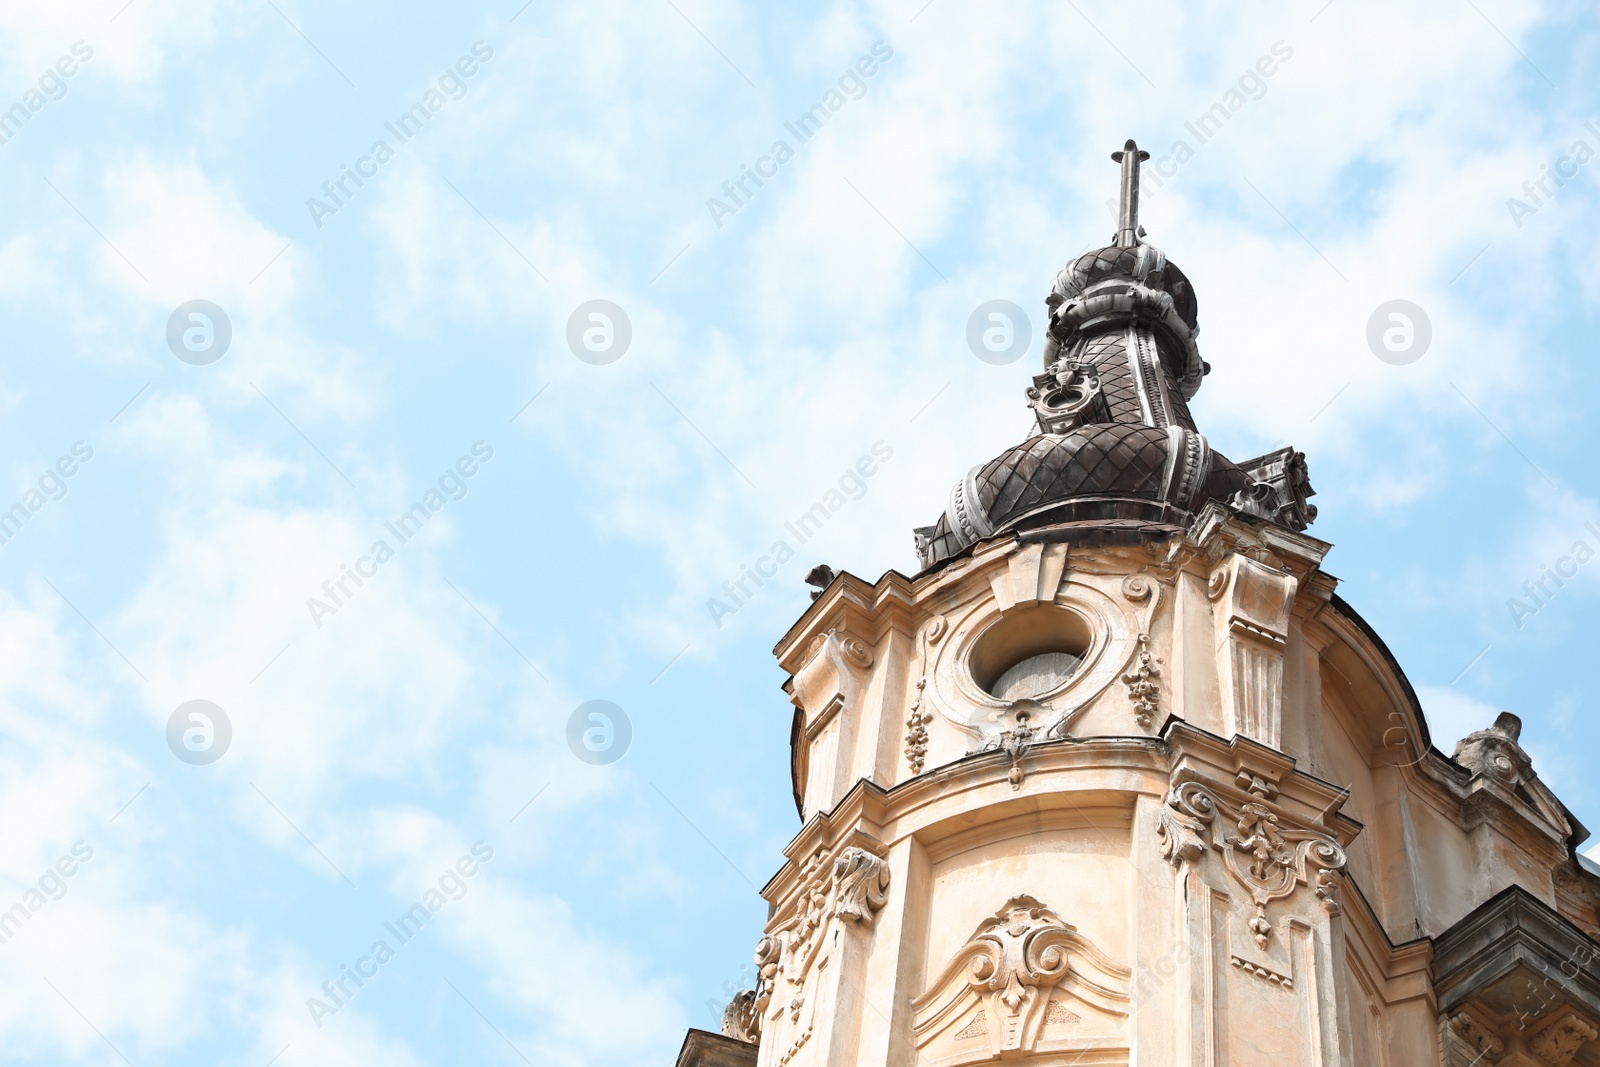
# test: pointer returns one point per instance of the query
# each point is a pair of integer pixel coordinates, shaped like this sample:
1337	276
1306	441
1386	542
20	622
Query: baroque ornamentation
917	730
1002	980
1137	587
1020	951
769	953
740	1020
1469	1029
1016	735
1558	1042
854	650
1067	396
863	885
1142	689
1268	859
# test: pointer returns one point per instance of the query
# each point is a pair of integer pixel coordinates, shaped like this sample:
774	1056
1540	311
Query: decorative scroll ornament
769	953
862	885
1560	1041
1143	690
740	1020
1138	587
1000	983
1267	858
851	887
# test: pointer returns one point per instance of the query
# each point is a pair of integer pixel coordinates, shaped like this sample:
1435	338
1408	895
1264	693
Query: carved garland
1269	860
917	721
1143	690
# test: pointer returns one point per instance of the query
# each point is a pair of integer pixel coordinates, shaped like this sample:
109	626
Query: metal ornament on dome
1116	453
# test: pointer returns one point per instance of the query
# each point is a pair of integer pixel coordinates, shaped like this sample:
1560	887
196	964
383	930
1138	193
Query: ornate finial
1128	216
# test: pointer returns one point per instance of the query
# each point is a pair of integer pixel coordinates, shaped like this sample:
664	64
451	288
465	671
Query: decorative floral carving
1183	823
863	885
1268	859
1142	689
1558	1042
917	730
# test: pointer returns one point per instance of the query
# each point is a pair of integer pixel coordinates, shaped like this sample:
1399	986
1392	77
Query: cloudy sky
399	321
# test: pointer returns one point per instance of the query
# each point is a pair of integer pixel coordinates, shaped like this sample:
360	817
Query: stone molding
1515	937
701	1048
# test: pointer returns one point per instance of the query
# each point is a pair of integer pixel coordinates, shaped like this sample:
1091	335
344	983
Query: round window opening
1029	652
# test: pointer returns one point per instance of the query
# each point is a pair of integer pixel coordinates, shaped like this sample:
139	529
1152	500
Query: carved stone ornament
769	953
1068	396
849	887
862	882
1017	731
1001	982
1138	587
1469	1029
1143	690
740	1020
1495	752
1268	859
1559	1041
917	730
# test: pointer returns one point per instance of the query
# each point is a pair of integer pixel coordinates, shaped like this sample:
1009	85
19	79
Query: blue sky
375	347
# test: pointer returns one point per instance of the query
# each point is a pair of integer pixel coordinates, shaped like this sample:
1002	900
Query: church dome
1116	452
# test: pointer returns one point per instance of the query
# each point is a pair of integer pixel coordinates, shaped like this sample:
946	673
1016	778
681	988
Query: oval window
1029	652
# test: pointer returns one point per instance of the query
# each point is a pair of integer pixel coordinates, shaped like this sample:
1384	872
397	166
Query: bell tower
1118	778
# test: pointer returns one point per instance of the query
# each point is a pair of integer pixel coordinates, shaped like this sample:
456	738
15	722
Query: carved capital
1262	849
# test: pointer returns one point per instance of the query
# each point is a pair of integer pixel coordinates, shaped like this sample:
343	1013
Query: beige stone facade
1089	793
